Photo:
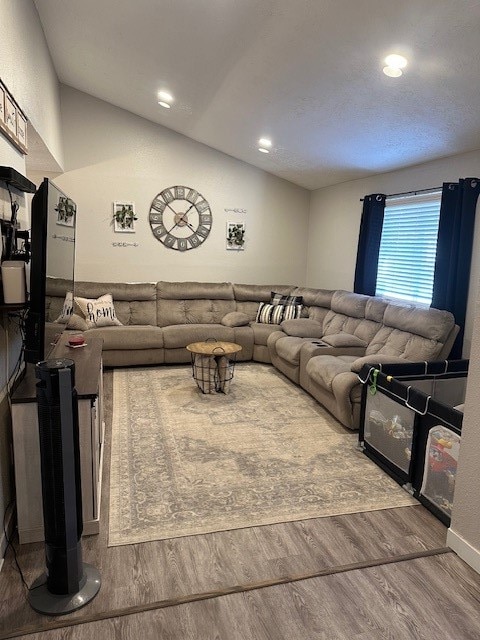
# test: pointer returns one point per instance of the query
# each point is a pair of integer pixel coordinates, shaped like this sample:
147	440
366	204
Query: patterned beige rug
184	463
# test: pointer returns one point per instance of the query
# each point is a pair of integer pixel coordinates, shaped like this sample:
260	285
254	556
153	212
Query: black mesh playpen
411	424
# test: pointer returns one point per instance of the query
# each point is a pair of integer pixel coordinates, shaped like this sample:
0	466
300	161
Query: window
408	247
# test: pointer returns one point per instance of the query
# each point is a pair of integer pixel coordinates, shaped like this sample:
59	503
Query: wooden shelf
13	177
88	359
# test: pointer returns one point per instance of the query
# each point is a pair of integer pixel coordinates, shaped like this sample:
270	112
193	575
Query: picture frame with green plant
124	218
236	236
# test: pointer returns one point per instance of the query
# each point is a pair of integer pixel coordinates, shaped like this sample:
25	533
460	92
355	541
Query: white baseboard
464	549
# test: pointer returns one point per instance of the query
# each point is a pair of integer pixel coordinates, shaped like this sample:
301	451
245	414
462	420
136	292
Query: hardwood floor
383	574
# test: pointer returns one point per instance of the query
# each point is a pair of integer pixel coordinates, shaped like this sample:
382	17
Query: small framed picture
66	210
2	103
21	128
124	217
10	115
236	236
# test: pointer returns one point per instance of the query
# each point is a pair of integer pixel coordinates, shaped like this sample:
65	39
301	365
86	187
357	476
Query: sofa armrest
302	328
378	358
344	340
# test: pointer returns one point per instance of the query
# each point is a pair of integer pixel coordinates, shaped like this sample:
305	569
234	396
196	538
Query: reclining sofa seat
359	329
139	341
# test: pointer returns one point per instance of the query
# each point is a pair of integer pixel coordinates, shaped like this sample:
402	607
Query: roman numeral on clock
203	231
158	205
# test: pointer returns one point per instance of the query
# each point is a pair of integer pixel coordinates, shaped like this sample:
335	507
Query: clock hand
171	208
183	216
175	225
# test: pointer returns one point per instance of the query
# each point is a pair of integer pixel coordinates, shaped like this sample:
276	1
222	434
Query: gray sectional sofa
322	351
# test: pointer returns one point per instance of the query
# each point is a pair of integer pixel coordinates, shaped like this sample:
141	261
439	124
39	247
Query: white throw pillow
67	309
99	312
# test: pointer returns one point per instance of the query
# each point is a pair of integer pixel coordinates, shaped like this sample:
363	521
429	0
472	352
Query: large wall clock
180	218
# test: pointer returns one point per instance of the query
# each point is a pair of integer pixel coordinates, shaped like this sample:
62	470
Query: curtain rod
414	193
410	193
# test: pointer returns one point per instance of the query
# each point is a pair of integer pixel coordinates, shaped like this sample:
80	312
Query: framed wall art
13	122
21	128
124	217
66	210
10	114
236	236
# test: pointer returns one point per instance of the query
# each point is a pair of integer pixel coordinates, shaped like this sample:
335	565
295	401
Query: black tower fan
68	583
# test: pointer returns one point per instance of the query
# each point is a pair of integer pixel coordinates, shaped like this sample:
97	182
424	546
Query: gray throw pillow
235	319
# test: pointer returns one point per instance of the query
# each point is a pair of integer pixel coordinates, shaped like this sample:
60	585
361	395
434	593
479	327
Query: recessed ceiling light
265	142
165	105
392	72
263	150
396	61
164	96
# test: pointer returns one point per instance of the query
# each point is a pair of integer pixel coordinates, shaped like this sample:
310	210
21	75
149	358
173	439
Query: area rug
184	463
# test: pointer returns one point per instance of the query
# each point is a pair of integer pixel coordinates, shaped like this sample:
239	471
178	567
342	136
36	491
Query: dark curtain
454	252
369	244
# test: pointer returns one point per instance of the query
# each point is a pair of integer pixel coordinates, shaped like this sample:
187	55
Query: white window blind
408	247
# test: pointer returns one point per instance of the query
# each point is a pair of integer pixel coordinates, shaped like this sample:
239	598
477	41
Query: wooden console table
88	383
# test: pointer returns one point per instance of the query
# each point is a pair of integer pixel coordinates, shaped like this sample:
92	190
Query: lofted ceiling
305	73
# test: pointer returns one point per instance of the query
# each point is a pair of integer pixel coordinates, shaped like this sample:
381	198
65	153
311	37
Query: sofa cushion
259	292
433	324
314	297
302	327
193	302
276	313
262	331
235	319
339	323
318	314
134	302
178	336
349	304
189	311
375	309
77	323
127	338
393	342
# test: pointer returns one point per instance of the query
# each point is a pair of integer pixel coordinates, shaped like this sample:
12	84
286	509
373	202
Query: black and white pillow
277	313
67	309
278	298
98	312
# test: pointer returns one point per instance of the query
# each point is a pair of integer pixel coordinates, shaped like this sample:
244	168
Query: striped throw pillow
278	298
277	313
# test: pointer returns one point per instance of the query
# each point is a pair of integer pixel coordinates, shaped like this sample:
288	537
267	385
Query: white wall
27	70
464	534
112	155
335	222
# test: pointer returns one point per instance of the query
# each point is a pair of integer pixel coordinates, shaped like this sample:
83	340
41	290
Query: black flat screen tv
53	217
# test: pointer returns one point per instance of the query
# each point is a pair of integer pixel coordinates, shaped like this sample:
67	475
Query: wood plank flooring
399	596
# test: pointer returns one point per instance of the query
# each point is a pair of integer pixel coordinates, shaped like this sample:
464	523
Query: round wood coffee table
213	364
